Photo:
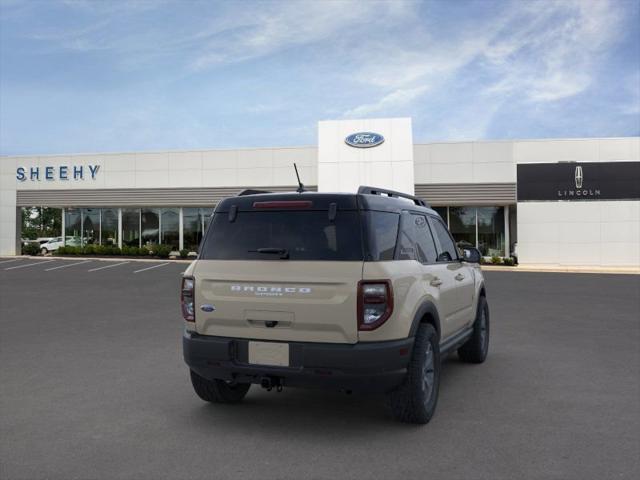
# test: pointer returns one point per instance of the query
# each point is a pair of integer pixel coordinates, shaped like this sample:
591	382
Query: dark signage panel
576	181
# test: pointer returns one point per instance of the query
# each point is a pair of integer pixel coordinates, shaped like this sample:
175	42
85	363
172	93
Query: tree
41	222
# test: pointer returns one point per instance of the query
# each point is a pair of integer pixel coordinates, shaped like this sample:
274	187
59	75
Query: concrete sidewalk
562	269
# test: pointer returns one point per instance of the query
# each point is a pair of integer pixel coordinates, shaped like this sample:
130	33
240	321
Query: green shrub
99	249
184	253
113	250
31	249
144	251
89	250
496	260
509	261
163	251
482	260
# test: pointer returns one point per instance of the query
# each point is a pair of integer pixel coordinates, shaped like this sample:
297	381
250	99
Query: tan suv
356	292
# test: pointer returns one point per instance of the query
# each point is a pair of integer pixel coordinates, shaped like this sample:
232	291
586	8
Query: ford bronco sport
355	292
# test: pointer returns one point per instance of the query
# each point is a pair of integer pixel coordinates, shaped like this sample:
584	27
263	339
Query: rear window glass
304	235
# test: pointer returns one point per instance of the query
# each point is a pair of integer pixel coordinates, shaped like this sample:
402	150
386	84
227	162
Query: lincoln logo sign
364	139
62	172
579	177
585	181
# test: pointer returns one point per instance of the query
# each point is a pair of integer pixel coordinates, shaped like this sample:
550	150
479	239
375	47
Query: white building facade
565	202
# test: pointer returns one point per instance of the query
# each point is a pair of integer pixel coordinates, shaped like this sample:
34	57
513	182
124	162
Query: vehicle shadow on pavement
299	411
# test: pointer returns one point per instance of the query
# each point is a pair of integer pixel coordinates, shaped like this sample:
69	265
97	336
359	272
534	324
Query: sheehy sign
61	172
575	181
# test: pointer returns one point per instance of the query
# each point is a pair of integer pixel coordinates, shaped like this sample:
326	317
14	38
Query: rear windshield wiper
283	252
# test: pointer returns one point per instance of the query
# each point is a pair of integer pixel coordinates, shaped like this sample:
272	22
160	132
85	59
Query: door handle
436	282
459	277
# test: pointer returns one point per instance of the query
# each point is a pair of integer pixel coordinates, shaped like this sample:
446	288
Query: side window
415	240
382	233
446	248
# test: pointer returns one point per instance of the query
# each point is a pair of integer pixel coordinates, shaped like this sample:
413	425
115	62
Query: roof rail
364	190
250	191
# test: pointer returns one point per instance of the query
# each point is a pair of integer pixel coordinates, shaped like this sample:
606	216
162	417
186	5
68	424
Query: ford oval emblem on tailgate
207	308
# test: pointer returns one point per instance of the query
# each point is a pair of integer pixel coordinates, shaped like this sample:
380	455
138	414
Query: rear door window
303	235
415	241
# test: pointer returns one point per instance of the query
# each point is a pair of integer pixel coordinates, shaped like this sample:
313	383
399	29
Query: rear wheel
476	348
44	251
218	391
415	400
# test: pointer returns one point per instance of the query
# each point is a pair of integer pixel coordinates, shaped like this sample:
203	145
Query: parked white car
57	242
52	245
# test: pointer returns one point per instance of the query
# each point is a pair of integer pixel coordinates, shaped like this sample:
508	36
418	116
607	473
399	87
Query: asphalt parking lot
92	386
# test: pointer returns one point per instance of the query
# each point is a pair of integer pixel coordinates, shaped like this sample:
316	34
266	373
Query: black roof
322	200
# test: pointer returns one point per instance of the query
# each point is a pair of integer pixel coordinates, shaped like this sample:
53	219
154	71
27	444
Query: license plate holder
275	354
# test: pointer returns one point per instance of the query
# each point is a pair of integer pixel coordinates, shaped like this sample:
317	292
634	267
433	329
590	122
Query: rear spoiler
250	191
364	190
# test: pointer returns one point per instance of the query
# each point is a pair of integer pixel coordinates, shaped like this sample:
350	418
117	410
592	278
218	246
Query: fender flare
427	307
482	291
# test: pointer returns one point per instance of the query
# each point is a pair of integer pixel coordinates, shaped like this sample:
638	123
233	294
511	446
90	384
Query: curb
560	269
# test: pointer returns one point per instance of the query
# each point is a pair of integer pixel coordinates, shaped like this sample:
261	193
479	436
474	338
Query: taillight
187	299
375	303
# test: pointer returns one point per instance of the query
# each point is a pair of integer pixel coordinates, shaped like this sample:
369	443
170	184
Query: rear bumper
362	367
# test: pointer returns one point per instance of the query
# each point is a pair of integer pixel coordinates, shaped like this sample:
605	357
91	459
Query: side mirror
471	255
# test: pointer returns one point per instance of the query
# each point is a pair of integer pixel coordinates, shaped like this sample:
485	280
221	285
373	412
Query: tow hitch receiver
269	383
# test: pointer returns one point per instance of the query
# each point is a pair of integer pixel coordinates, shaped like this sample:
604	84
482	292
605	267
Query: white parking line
149	268
30	264
9	261
108	266
65	266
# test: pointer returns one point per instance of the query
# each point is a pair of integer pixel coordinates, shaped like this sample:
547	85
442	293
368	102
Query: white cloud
395	99
534	51
281	25
551	55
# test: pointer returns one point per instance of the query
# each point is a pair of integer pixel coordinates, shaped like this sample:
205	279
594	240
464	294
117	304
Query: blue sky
100	76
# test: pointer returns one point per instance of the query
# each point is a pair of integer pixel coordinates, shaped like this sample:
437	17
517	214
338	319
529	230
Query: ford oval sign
364	139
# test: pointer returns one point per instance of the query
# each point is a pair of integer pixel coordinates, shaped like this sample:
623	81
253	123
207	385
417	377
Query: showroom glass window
462	225
150	222
170	227
442	211
72	226
192	228
206	213
90	226
109	227
131	227
491	230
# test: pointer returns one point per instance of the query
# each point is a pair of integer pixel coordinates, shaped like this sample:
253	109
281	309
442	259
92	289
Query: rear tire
475	349
218	391
415	400
44	251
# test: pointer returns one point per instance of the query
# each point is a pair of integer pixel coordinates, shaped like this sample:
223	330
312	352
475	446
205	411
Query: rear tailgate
281	267
283	300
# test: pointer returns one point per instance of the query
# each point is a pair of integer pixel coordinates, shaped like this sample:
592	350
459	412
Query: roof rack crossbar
251	191
391	193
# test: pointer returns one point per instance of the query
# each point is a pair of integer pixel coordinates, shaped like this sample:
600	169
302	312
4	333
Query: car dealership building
565	202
